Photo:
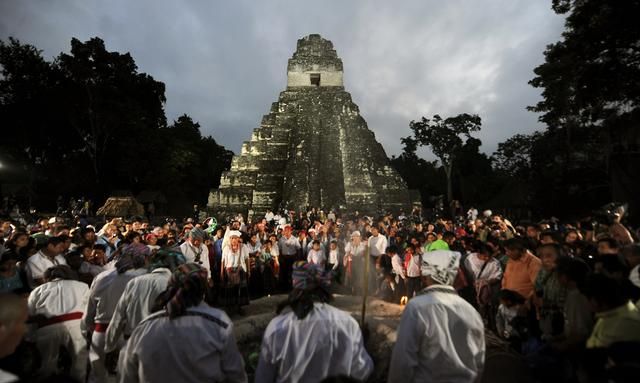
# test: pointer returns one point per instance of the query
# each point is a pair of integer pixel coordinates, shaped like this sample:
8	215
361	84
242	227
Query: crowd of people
124	296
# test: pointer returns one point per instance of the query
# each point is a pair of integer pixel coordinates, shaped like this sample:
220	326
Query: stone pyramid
312	149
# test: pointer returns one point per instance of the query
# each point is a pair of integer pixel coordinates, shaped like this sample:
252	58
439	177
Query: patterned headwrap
308	276
169	258
197	233
441	265
186	288
133	256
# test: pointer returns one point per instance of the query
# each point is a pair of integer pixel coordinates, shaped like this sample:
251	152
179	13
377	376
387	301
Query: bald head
13	315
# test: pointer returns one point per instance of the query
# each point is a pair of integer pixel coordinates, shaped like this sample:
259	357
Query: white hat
356	233
441	265
487	213
235	233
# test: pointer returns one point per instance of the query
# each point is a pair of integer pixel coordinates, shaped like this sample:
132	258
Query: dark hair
551	234
81	248
511	296
393	249
131	235
613	244
448	235
574	269
301	301
604	290
480	247
58	271
55	241
515	244
557	248
100	247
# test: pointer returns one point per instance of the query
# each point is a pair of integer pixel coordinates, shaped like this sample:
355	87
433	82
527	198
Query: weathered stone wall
296	79
312	149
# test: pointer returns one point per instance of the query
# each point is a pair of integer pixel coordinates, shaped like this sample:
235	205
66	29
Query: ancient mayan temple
312	149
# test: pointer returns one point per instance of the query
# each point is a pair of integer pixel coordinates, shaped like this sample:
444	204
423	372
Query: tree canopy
89	123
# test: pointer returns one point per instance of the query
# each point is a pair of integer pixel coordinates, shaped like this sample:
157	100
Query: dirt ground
382	318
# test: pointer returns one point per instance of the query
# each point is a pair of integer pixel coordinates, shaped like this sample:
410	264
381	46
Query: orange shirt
520	275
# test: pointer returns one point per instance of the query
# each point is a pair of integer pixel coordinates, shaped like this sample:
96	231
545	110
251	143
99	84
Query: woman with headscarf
186	341
194	249
354	252
311	340
234	272
57	307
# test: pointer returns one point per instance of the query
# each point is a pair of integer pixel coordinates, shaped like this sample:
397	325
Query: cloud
224	63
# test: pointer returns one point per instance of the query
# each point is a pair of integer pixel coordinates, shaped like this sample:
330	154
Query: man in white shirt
104	294
187	341
288	246
58	306
440	336
308	343
194	249
139	297
377	244
49	256
269	216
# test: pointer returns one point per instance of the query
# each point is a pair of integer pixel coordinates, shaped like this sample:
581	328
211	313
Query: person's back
440	336
197	346
135	304
186	341
445	342
324	343
313	340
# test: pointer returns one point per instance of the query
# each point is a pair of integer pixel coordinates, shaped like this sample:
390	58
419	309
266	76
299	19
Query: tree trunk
448	171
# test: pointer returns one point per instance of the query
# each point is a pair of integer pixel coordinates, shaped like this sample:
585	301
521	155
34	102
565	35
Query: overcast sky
224	62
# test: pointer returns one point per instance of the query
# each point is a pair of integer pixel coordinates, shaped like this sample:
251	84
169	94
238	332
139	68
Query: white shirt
473	264
316	257
189	348
190	253
357	251
327	342
440	339
104	293
269	216
289	246
58	297
334	258
413	267
38	263
398	266
7	377
135	304
377	245
235	259
90	268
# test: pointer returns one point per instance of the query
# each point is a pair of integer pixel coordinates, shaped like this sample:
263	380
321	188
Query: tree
513	156
89	124
419	174
590	83
105	98
445	137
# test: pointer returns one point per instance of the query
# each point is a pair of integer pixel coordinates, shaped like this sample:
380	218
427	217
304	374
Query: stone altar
312	149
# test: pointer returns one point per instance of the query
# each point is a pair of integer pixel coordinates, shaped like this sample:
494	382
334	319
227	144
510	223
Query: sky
224	62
